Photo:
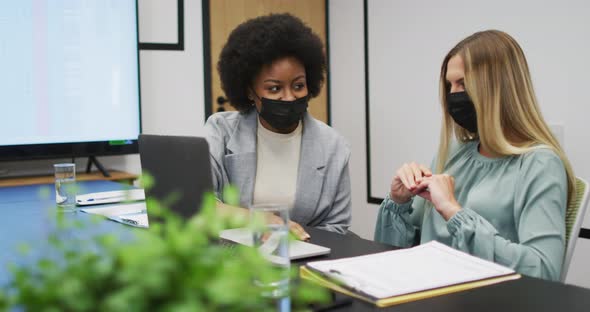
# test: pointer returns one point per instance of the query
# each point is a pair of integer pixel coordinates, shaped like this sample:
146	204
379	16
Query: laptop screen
181	170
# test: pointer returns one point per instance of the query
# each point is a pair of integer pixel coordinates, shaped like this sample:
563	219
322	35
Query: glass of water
270	233
65	186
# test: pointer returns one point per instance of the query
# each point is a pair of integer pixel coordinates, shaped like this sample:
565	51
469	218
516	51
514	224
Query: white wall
347	96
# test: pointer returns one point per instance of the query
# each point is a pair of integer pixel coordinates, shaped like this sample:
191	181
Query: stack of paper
404	275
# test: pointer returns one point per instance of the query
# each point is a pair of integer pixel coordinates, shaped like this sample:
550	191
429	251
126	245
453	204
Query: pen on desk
102	198
133	222
343	279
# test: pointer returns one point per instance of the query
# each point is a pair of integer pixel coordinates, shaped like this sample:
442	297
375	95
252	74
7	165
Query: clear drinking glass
65	186
270	233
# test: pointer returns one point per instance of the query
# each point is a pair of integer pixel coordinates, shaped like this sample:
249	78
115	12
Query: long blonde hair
497	79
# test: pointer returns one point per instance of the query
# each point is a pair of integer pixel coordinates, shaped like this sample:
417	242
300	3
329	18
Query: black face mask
462	110
283	115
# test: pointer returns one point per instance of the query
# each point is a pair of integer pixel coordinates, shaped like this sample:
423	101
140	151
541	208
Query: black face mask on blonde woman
462	110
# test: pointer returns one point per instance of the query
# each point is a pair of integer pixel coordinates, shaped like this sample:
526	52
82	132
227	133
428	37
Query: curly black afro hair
261	41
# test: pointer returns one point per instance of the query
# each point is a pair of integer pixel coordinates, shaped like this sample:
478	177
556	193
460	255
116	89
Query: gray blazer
322	197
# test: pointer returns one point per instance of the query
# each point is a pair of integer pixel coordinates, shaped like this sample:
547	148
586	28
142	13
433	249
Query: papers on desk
399	276
134	214
297	249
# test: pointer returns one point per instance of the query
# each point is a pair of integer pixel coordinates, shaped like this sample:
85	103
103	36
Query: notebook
404	275
297	249
180	167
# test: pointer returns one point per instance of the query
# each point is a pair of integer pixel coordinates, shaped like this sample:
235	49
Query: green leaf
24	249
146	180
231	195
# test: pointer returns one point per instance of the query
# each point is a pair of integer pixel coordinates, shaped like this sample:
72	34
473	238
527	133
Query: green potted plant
175	265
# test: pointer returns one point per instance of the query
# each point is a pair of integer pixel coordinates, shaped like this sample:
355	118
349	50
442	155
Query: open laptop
181	169
182	165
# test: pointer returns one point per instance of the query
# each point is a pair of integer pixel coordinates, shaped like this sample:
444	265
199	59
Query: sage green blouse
513	211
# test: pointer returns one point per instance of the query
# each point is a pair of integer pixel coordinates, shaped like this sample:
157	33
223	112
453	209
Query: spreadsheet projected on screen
70	74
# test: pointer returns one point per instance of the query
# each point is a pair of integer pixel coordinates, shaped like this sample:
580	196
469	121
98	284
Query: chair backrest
574	216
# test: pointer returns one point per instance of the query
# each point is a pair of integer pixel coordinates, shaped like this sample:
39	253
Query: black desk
25	219
524	294
343	245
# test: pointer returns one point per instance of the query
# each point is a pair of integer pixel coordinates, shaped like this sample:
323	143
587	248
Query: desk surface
25	215
28	217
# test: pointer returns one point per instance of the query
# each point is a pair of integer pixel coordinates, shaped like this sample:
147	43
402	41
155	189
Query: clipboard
345	280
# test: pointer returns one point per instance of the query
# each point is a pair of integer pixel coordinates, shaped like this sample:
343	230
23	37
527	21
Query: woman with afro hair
272	149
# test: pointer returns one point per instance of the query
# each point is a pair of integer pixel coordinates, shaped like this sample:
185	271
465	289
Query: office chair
574	215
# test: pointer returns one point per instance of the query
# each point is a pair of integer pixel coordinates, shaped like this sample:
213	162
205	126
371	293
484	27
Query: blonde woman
500	189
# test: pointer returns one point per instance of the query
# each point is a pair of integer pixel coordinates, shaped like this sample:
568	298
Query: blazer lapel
240	158
310	177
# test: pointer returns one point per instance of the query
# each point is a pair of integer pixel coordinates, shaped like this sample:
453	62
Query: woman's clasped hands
413	179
